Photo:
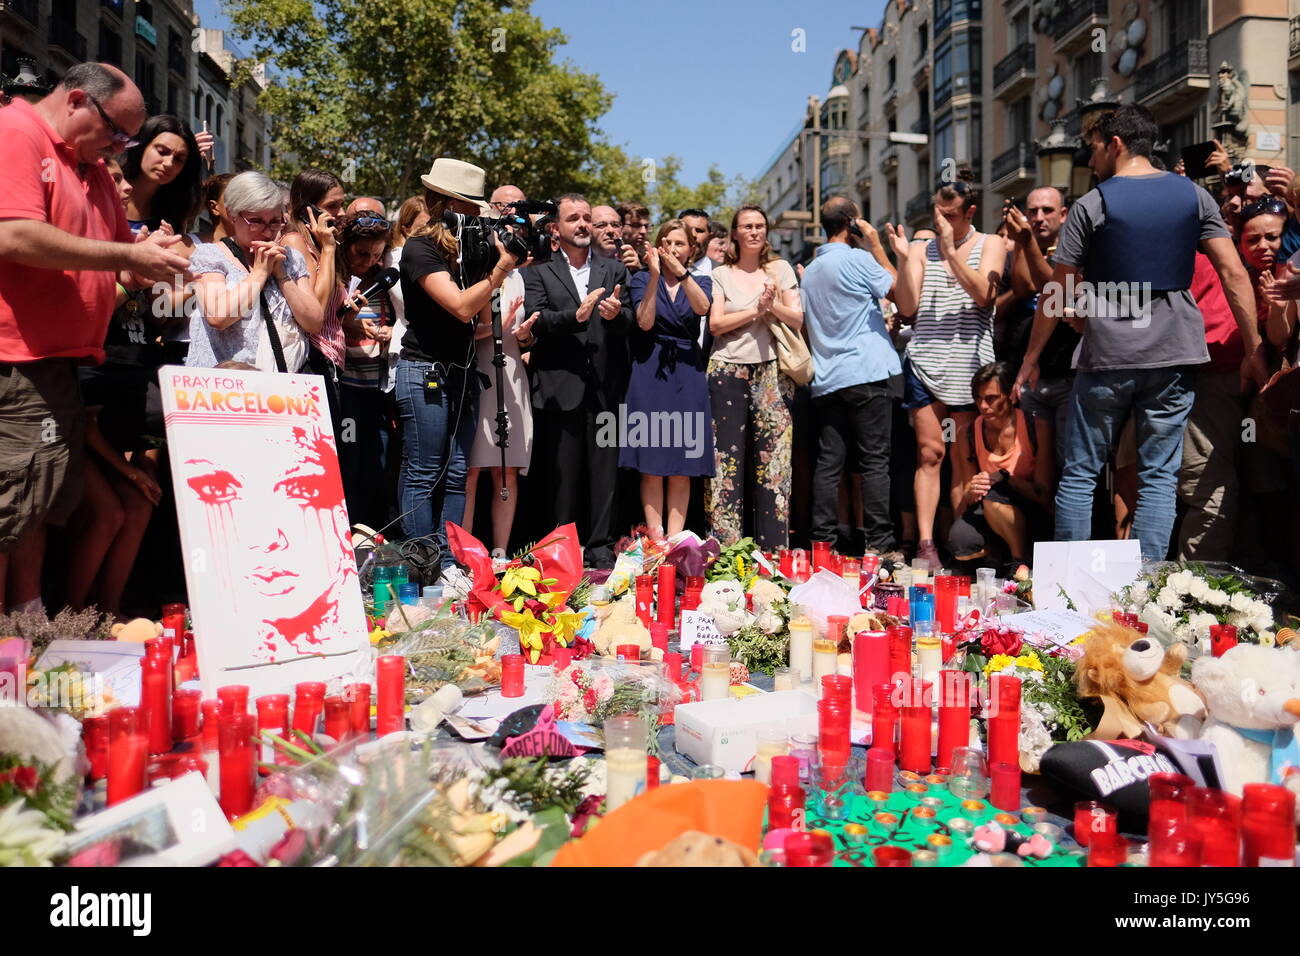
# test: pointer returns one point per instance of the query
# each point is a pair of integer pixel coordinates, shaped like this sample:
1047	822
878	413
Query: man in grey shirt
1122	278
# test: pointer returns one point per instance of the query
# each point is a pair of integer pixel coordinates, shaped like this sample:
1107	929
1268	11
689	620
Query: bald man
367	204
64	244
503	196
606	231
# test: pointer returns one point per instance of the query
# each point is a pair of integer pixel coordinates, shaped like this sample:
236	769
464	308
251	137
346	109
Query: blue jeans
437	433
1159	400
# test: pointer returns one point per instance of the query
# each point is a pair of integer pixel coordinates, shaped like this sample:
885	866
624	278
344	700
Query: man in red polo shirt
64	243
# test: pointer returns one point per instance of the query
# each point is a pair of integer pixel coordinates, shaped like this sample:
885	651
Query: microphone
387	279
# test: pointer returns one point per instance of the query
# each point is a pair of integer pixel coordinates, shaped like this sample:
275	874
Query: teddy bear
617	624
1136	677
992	837
1253	695
724	601
136	631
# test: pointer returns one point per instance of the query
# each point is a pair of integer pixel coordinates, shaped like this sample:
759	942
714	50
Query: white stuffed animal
724	601
1253	696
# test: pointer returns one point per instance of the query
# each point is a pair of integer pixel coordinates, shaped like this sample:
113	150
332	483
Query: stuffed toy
1136	678
724	601
694	848
136	631
994	838
1253	695
617	624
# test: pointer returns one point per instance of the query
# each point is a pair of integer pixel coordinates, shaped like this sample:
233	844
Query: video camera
521	236
1242	174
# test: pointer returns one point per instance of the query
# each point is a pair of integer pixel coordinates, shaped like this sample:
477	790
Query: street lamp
1056	152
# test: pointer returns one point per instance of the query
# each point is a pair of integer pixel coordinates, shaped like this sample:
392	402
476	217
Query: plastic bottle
390	573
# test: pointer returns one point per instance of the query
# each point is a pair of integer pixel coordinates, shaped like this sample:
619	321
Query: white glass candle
825	660
715	673
771	743
625	759
801	647
787	678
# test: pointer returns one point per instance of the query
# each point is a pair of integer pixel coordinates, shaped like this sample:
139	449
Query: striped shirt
952	336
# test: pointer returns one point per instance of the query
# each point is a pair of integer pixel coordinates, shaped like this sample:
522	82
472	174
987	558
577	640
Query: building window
1020	119
1020	28
922	41
110	44
198	108
943	138
146	74
1086	69
892	71
1182	22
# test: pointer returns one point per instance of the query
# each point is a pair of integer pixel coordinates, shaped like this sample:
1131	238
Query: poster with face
272	577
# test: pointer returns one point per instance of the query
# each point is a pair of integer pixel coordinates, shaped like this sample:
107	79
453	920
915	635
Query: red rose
27	779
1001	641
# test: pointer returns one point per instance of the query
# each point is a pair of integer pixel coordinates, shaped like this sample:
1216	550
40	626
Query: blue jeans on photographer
438	427
1159	399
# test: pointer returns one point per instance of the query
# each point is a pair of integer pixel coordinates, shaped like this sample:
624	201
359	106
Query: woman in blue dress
667	434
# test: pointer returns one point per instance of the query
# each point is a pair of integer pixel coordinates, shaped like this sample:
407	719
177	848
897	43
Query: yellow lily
520	579
530	632
566	625
552	599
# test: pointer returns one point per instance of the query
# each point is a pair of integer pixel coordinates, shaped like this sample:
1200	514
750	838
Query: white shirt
582	276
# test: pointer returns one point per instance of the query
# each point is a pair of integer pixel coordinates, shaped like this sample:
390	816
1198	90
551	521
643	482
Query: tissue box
725	732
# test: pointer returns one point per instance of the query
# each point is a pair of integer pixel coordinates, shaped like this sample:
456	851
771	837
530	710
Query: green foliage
533	783
734	563
1075	718
759	651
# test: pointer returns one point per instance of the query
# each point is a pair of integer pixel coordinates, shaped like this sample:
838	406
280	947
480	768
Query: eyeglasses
959	186
121	138
274	224
1266	206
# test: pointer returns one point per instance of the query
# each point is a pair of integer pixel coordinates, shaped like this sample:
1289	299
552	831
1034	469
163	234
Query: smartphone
315	211
1194	158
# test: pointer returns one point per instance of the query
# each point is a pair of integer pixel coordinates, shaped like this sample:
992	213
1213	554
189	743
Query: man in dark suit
579	369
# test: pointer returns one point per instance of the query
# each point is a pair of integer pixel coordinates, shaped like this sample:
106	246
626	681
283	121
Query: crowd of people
1120	367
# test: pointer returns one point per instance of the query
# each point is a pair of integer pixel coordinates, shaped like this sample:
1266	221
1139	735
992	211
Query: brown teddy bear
136	631
694	848
1136	678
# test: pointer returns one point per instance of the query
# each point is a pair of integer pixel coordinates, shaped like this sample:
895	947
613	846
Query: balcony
919	208
1175	78
863	185
1294	56
66	41
889	159
1012	167
24	12
921	75
1073	26
1014	73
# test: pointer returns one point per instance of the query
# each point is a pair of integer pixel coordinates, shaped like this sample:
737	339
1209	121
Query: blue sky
720	46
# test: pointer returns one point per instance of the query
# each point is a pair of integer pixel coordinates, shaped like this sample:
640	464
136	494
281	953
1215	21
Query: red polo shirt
1222	337
54	313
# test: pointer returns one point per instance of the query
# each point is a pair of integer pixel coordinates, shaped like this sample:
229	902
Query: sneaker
927	550
894	557
499	559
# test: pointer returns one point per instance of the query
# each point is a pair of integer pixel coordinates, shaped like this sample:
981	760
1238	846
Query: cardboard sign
1088	572
698	628
272	578
115	663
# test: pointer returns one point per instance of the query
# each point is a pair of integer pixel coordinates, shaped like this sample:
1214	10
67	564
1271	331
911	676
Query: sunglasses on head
371	219
959	186
1269	205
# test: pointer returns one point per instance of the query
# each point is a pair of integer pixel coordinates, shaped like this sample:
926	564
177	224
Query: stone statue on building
1233	101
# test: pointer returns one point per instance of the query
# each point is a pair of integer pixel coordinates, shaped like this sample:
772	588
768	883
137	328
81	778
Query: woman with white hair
255	300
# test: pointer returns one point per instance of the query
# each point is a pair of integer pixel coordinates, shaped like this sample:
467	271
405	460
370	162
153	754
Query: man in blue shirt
853	359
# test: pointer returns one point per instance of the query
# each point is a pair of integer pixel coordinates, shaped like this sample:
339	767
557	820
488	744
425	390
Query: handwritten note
698	628
116	664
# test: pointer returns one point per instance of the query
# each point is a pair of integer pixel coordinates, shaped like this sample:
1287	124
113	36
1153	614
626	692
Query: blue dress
665	427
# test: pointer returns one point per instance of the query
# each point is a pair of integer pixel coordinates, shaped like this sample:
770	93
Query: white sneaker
499	559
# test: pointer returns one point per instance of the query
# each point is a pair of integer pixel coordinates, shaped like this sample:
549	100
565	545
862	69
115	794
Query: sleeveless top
1019	461
952	337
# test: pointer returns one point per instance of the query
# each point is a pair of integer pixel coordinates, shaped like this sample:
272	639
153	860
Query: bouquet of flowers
592	691
531	592
1187	599
447	649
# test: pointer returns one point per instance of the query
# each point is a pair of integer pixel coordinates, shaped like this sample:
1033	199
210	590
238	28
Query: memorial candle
95	732
1004	719
880	770
884	715
1005	792
128	750
308	701
272	721
512	675
801	646
237	763
666	595
900	652
234	699
645	595
870	666
954	714
185	714
358	696
914	746
155	697
391	704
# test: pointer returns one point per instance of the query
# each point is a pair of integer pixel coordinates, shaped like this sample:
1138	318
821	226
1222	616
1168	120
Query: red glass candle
884	715
821	553
834	564
914	738
234	699
645	595
785	800
870	667
308	702
211	720
673	666
156	702
695	582
391	704
561	657
697	658
963	585
628	652
1107	849
891	856
236	770
1005	792
666	594
128	753
833	731
173	626
809	849
659	634
272	720
1217	816
1004	719
954	714
900	652
1174	842
1094	819
785	562
836	624
185	714
945	603
1223	637
1168	792
691	601
94	733
512	675
1267	825
338	718
880	769
651	771
358	696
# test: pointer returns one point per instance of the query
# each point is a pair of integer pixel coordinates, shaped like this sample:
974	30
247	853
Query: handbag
792	354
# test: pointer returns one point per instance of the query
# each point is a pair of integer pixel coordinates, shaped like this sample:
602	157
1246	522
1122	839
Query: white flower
1180	581
1259	611
1139	594
1240	620
1199	590
1239	601
1201	621
1216	597
1267	639
1168	597
1185	633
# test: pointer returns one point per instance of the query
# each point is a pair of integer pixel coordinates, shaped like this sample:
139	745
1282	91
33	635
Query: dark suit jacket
577	365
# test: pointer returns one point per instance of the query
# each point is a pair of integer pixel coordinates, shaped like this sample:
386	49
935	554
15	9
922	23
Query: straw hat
451	177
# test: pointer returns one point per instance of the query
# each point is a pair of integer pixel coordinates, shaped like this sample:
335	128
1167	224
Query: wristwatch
684	276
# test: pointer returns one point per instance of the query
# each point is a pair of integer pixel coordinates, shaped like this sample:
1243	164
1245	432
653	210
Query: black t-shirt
433	334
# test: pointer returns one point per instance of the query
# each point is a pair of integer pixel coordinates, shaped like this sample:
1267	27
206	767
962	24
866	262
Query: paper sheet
117	664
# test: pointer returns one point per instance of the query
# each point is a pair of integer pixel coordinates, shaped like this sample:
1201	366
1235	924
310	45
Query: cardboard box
725	732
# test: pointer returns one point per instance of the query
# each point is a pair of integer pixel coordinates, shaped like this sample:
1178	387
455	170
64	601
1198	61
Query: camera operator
437	384
63	237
